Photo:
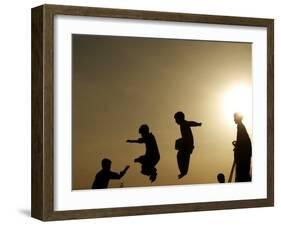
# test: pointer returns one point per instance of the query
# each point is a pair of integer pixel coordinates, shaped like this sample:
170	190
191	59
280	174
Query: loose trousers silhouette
243	170
183	158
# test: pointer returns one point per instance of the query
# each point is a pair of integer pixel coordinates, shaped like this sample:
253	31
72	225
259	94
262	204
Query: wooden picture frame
42	205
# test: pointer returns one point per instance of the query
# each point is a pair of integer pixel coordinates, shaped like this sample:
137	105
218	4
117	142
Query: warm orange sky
120	83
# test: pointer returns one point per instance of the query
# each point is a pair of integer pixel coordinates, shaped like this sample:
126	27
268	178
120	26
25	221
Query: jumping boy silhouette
185	144
151	156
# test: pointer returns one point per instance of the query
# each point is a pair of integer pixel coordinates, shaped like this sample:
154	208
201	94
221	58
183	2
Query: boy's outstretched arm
132	141
139	141
194	124
123	172
117	176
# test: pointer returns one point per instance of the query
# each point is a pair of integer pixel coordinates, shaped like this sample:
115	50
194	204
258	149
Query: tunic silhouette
185	144
242	151
151	156
105	175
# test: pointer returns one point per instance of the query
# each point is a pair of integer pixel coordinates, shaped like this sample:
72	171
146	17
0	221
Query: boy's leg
153	174
183	162
180	160
140	159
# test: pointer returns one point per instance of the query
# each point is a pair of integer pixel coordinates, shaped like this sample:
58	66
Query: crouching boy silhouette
105	175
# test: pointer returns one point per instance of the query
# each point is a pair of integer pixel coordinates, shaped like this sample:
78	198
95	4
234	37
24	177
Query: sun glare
238	99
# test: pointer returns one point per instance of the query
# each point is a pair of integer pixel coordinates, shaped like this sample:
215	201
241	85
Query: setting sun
238	99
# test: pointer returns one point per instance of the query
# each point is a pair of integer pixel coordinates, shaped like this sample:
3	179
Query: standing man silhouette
151	156
242	151
185	144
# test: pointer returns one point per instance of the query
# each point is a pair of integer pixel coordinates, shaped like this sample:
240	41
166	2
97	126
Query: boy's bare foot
152	177
181	175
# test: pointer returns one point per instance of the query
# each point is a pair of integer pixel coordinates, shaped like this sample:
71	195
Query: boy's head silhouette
238	117
179	117
221	178
144	129
106	164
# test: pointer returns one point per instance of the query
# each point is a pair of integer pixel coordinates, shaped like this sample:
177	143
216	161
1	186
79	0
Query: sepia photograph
160	112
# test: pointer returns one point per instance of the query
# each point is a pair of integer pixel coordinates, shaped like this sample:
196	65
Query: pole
231	172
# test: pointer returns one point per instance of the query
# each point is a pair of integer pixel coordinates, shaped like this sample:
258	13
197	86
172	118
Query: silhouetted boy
242	151
105	175
185	144
221	178
151	156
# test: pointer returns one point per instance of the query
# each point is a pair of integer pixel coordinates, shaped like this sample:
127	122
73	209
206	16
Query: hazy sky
120	83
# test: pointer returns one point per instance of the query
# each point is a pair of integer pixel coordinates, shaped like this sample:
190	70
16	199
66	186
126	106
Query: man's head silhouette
238	117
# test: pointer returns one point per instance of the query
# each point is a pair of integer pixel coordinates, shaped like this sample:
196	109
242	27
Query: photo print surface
159	112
